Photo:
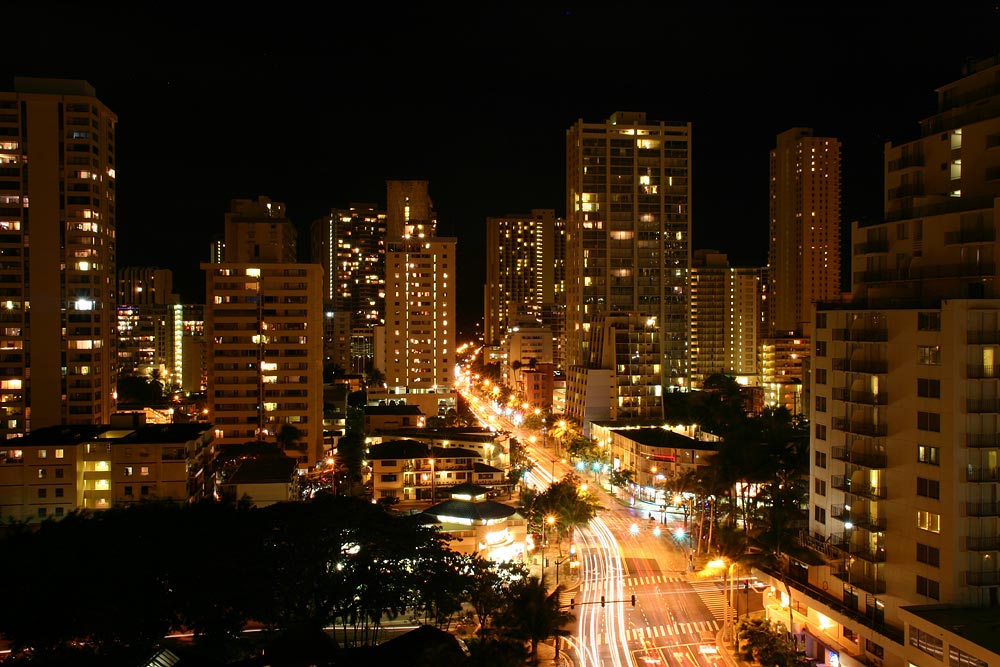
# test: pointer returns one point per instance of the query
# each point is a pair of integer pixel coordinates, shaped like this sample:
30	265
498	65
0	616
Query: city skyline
318	115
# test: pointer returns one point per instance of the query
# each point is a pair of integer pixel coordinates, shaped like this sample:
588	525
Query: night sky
318	108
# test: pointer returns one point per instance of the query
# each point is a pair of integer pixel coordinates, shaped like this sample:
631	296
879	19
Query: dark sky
319	107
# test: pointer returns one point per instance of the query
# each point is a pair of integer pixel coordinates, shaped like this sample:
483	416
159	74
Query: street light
549	522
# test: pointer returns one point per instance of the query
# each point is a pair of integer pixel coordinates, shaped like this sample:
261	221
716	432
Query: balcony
991	543
906	162
859	428
988	475
988	337
987	578
869	366
843	483
863	397
982	509
869	247
982	371
871	335
868	584
974	235
982	405
864	458
981	440
858	519
864	552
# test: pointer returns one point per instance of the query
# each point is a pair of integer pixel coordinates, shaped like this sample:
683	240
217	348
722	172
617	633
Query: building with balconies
415	472
905	413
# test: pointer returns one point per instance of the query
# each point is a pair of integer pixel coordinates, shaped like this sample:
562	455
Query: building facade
804	252
58	152
520	270
419	342
57	470
264	334
350	246
905	472
628	233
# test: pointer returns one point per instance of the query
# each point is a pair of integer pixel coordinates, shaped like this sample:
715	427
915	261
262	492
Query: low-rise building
481	526
414	471
56	470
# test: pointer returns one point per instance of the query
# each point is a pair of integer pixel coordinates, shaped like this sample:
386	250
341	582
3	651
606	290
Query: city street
658	608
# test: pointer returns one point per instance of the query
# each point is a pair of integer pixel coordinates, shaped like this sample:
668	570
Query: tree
759	641
288	437
621	478
374	377
534	615
350	458
489	586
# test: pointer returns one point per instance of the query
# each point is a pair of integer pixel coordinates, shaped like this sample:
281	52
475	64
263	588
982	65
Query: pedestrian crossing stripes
651	579
712	596
658	631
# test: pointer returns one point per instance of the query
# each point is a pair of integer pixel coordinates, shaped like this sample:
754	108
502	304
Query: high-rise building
350	246
804	254
628	231
150	325
725	313
520	270
620	379
58	152
906	402
419	342
263	333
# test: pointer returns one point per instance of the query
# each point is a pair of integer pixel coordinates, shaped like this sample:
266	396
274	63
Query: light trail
602	575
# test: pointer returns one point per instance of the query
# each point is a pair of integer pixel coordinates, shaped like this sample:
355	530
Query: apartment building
56	470
804	251
621	377
263	332
628	234
414	471
419	342
58	151
905	402
725	312
349	244
521	268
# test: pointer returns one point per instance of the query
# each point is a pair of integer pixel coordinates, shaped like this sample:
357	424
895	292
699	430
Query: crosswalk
651	579
712	596
654	632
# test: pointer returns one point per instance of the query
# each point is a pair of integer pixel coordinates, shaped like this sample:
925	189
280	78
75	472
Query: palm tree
533	615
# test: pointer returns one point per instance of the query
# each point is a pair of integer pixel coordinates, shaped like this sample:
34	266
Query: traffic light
602	600
572	603
633	599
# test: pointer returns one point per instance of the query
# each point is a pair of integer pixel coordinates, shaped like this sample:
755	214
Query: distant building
628	234
387	417
350	246
623	365
726	310
263	332
418	354
522	264
804	255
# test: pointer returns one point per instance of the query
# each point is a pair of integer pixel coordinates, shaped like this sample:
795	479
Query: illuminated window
929	521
